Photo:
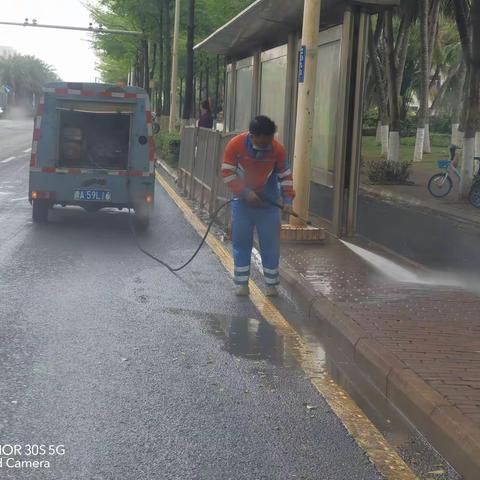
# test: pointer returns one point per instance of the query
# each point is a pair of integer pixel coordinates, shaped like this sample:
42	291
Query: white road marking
21	199
28	150
9	159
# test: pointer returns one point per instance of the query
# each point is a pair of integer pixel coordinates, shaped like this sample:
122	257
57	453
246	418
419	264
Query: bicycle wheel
474	195
440	185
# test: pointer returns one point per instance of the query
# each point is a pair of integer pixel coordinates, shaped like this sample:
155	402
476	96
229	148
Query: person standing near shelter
206	117
255	167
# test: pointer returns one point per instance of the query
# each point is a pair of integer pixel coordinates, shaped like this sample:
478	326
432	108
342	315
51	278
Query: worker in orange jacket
255	169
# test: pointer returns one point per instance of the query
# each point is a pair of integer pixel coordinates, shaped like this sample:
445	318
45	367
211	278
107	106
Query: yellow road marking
367	436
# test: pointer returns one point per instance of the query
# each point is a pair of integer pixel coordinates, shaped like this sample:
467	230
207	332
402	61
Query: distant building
7	51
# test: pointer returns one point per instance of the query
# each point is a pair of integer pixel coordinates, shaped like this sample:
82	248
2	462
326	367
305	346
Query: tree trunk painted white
419	142
477	144
455	127
427	146
467	167
394	147
384	132
378	136
457	135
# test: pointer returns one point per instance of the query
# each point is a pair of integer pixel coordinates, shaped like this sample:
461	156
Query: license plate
92	195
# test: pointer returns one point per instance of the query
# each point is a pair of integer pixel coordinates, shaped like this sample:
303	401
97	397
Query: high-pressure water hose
197	251
205	236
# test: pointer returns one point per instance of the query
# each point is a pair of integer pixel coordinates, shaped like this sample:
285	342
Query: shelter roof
267	23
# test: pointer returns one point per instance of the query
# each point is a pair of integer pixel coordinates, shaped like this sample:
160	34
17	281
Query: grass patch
372	152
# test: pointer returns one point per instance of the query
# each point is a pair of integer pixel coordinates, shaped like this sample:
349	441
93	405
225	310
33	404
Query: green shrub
370	118
441	124
409	141
168	145
384	172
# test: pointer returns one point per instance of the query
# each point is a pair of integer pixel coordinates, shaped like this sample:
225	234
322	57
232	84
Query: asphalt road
137	373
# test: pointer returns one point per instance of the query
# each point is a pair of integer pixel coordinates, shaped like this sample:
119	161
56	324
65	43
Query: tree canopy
148	60
26	75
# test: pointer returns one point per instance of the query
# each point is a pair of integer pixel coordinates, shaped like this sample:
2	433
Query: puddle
244	337
251	338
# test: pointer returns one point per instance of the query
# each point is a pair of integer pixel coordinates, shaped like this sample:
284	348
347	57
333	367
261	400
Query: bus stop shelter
262	46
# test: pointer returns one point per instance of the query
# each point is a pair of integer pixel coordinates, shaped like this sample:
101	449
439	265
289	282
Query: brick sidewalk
427	334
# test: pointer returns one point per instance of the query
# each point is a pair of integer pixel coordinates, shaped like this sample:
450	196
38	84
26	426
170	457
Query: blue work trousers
267	222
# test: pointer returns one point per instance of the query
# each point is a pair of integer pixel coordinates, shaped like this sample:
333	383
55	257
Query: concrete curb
445	427
167	168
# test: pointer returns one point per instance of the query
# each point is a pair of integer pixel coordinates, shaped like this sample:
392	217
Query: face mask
258	149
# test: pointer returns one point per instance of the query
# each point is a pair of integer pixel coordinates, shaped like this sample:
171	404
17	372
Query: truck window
94	136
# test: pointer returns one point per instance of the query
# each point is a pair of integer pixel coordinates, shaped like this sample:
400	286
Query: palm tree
467	16
381	89
433	26
451	69
424	80
27	75
393	50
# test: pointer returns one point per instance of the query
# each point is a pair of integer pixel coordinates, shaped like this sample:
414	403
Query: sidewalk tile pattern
435	331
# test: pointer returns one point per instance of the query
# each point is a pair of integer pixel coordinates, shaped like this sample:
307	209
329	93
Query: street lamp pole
173	89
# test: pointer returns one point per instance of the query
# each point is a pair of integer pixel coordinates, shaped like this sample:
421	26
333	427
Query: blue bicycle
441	184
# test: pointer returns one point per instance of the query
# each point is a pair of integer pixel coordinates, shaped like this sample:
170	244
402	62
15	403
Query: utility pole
173	89
305	109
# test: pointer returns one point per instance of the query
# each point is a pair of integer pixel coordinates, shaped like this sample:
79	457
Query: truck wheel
40	211
142	220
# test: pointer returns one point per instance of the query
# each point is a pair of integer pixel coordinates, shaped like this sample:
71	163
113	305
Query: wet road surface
140	374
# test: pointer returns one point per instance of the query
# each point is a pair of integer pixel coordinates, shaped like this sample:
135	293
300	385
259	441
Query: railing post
191	193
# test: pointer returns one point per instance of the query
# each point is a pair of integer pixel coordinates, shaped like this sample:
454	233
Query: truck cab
92	147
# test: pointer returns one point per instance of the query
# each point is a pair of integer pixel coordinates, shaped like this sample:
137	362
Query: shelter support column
354	181
291	94
349	121
305	108
231	99
256	87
